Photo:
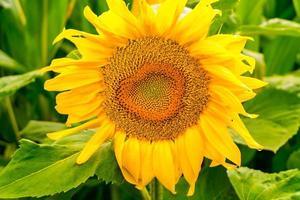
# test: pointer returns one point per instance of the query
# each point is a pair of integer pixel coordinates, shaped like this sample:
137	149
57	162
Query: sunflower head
162	89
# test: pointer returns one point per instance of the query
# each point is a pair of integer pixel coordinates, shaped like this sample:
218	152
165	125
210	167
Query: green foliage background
32	166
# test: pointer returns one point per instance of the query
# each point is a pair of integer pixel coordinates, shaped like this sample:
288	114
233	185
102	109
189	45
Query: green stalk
156	190
20	12
145	194
12	117
114	192
44	38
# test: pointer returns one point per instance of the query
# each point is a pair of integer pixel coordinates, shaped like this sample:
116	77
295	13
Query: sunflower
159	87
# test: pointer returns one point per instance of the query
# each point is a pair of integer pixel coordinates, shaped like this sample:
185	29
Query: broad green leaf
250	12
279	117
109	171
280	55
289	82
9	63
225	23
280	9
36	163
252	184
212	183
10	84
37	130
294	160
247	154
272	27
102	6
30	41
297	7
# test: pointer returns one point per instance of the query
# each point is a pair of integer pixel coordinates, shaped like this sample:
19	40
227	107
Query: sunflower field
150	99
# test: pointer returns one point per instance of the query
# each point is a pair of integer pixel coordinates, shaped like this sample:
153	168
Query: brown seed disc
155	89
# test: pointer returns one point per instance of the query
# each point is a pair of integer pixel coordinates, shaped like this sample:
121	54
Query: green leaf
212	183
250	12
36	163
225	23
9	63
294	160
10	84
289	82
272	27
297	7
37	130
32	26
74	54
252	184
279	117
109	170
280	55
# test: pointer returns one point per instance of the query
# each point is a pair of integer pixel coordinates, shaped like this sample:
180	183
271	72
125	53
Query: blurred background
28	28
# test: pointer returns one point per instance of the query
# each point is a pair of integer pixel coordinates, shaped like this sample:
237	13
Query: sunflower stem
145	194
12	117
156	190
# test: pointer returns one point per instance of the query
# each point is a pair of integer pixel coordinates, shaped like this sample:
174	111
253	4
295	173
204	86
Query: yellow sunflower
157	85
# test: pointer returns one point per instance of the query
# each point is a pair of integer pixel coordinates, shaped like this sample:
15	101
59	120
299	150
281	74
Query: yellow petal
194	148
233	43
61	65
114	27
90	46
178	171
111	23
79	117
84	108
73	79
222	74
60	134
119	7
184	162
75	96
147	17
199	18
136	8
119	141
163	164
240	128
190	152
146	163
229	99
212	53
167	14
212	153
217	110
250	62
219	137
131	158
103	133
253	83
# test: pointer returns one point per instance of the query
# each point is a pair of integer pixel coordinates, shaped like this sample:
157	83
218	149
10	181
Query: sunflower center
155	89
153	93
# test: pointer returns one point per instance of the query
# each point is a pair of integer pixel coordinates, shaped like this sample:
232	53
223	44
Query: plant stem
44	38
114	192
145	194
20	12
156	190
12	117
